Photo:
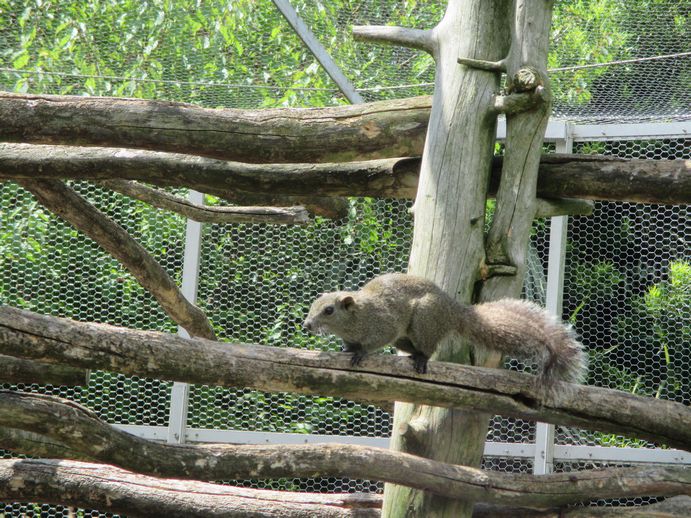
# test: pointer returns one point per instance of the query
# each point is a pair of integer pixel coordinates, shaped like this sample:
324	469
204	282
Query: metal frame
179	395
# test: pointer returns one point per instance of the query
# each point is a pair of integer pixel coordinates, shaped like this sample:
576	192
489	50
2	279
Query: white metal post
544	433
179	396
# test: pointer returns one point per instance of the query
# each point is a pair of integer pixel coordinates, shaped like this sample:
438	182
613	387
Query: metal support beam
179	396
318	50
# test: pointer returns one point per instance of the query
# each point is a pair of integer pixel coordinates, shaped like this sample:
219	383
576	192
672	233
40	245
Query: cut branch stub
519	102
405	37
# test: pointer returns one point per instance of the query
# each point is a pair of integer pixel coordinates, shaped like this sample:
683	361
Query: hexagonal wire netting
627	266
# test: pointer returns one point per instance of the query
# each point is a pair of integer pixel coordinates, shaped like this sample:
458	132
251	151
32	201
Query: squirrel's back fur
414	315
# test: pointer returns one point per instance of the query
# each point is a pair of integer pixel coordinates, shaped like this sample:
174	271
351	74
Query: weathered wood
114	490
18	370
207	214
448	235
66	203
344	133
560	176
390	378
68	423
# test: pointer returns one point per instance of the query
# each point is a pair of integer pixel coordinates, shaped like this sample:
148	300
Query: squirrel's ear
347	302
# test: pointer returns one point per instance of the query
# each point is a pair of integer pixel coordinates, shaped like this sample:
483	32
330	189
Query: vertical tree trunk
448	241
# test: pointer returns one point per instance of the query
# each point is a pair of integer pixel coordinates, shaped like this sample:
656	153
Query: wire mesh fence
628	267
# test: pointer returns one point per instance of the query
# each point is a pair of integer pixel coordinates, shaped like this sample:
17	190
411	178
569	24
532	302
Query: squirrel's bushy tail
524	330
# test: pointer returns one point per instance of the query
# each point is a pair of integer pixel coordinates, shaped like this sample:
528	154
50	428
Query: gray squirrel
413	314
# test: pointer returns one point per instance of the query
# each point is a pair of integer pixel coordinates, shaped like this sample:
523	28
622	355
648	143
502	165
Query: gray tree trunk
488	36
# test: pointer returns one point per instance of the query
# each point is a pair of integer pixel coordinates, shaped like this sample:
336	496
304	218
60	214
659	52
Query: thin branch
70	206
481	64
17	370
206	214
390	35
390	378
110	489
68	422
559	175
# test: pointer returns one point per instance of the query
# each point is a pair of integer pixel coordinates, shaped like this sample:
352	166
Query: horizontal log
114	490
17	370
337	134
675	507
560	176
391	378
68	423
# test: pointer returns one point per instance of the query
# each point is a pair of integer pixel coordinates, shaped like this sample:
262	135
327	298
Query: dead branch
66	203
559	176
18	370
114	490
208	214
68	423
163	356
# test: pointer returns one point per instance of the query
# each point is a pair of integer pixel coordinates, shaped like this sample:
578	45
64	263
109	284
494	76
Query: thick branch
206	214
390	35
391	378
17	370
114	490
559	176
343	133
519	102
68	423
70	206
675	507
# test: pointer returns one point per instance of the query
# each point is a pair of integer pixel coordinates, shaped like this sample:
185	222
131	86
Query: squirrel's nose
307	325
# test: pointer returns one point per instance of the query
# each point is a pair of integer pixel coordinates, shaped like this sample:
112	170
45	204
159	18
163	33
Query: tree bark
344	133
17	370
197	361
68	423
114	490
207	214
73	208
560	176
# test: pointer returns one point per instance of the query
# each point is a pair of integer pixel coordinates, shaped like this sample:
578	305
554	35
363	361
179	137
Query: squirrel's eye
328	310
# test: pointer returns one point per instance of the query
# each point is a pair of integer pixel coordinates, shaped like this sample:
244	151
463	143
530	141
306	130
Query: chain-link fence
628	266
